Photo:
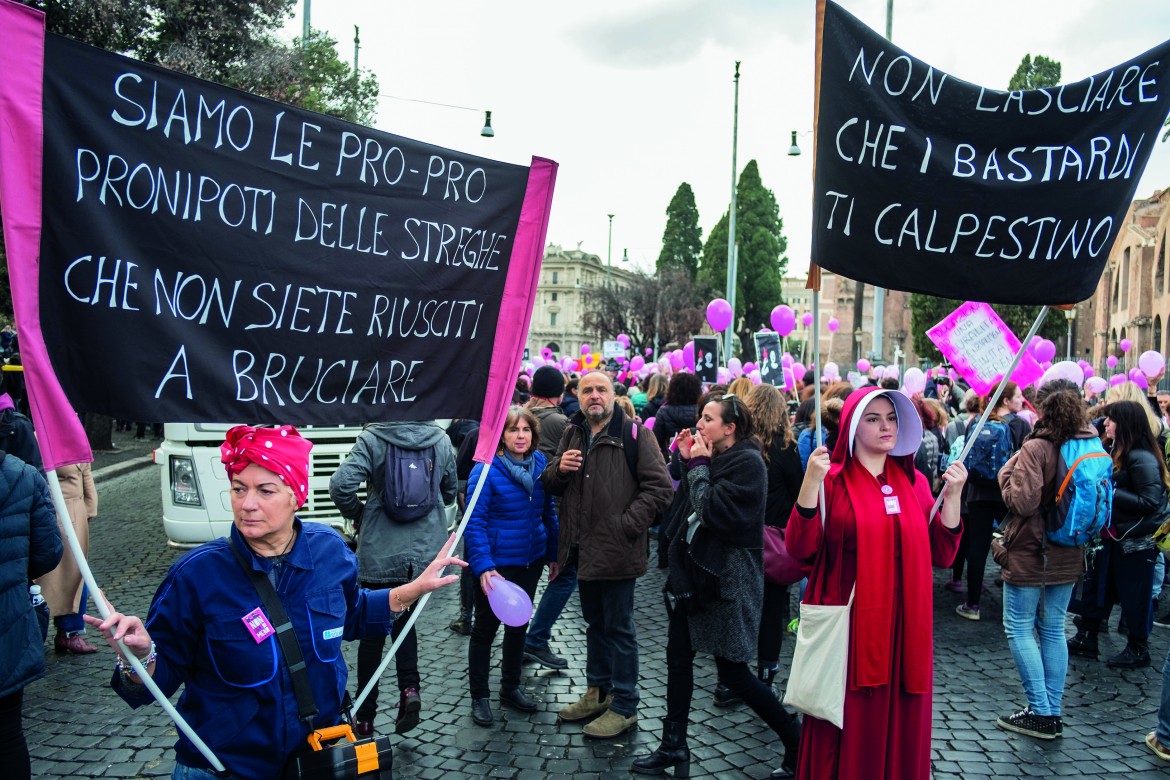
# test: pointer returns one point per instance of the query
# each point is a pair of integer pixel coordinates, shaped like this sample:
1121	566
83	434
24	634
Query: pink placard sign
981	347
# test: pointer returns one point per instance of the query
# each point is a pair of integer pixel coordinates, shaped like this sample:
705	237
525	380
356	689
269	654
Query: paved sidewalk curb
118	469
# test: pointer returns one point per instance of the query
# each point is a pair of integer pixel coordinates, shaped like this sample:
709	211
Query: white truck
196	504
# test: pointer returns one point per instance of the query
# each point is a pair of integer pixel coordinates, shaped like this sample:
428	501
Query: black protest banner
231	257
929	184
707	359
768	357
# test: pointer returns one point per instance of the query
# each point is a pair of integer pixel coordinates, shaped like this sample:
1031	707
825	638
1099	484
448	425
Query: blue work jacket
237	693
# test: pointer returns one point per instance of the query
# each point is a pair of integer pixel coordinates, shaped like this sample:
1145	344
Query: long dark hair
1132	432
732	409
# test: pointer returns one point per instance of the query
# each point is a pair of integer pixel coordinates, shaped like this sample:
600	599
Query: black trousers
978	524
14	761
680	682
773	623
369	657
1117	578
483	633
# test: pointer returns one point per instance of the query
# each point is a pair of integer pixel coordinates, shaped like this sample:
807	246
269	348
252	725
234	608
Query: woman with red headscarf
876	538
207	631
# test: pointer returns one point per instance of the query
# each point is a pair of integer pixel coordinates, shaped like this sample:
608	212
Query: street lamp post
731	259
609	256
1070	315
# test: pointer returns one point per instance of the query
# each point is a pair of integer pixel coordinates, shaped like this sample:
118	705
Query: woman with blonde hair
1129	391
770	413
741	388
655	396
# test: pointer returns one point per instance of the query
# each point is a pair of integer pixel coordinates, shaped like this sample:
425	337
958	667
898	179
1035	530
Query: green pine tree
682	240
759	232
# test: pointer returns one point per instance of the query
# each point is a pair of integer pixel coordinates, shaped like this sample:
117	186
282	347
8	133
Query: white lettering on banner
1048	238
237	125
177	370
1059	163
421	317
300	378
898	75
445	244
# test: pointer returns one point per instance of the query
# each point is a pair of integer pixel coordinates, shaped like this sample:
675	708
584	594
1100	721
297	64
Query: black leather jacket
1138	495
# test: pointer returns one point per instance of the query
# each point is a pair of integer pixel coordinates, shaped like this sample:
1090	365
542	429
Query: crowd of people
869	498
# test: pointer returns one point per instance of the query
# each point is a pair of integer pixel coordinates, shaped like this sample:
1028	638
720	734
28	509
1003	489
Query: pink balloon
833	324
676	360
1045	351
649	423
1096	385
1111	361
1141	381
783	319
735	366
689	355
724	375
798	371
509	602
649	352
586	349
1151	363
806	318
1087	371
1125	345
624	340
637	363
719	314
863	365
755	377
749	367
1117	379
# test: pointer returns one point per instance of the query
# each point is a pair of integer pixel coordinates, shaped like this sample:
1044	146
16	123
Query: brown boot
610	725
586	707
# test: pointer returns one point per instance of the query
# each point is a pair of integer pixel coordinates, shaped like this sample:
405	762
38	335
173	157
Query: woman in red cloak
876	537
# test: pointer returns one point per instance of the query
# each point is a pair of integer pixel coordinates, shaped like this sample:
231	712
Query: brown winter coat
604	511
62	586
1028	482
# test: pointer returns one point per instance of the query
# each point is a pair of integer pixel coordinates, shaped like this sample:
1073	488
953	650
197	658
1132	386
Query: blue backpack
411	487
990	452
1083	504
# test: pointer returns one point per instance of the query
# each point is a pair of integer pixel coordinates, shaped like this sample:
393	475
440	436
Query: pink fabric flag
59	432
516	306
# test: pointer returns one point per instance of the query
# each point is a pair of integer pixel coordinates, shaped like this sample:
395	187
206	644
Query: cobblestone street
77	727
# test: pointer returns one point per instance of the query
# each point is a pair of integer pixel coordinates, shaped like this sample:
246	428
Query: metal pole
357	44
879	293
731	217
1068	345
306	28
609	255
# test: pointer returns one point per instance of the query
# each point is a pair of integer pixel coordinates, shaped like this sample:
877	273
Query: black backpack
411	483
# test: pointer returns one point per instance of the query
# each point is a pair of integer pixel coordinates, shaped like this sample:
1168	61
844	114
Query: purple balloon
509	602
719	314
637	363
624	340
1125	344
783	319
1088	371
1141	381
689	355
676	360
749	367
833	324
806	318
1111	361
1117	379
586	349
1045	351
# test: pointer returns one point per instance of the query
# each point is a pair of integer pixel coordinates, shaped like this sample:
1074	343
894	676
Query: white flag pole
994	399
66	526
417	609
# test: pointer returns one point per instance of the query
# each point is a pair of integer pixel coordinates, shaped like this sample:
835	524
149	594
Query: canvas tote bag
820	662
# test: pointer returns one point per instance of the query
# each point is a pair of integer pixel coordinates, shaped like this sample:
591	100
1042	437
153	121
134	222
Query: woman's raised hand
432	577
814	475
127	628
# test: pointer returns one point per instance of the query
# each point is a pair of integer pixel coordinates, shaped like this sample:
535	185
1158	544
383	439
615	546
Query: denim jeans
611	641
552	604
74	623
183	772
1042	665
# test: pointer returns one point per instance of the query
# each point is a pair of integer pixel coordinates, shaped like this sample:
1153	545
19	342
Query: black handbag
332	753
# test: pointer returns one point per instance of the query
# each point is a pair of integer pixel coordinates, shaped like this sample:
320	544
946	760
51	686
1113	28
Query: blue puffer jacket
507	528
30	545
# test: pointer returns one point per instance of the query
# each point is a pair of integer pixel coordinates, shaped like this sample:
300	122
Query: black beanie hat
548	382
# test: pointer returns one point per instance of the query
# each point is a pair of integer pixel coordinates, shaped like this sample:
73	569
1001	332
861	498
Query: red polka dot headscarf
283	451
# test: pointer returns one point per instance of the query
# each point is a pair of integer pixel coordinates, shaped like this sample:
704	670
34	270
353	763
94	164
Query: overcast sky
634	97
